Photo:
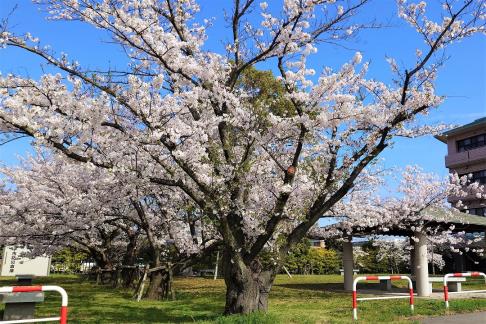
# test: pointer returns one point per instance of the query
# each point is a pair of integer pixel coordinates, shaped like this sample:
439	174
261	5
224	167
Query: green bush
303	259
323	261
68	260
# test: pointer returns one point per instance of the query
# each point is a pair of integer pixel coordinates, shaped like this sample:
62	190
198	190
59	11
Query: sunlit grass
302	299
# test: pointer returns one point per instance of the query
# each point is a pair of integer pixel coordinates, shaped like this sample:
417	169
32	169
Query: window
478	176
471	143
477	211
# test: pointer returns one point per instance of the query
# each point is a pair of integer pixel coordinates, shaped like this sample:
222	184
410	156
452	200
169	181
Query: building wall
318	244
466	162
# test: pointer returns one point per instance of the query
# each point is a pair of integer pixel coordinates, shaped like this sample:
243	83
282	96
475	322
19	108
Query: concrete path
471	318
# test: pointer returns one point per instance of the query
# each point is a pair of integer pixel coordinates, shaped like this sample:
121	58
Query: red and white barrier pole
410	291
62	318
459	275
368	278
446	294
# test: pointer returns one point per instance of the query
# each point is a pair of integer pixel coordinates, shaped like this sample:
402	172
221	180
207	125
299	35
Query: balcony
460	159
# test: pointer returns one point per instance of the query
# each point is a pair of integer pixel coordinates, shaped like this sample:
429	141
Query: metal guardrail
459	275
369	278
62	318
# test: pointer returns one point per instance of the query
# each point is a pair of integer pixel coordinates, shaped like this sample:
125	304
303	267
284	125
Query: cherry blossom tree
45	206
55	202
397	252
179	119
420	204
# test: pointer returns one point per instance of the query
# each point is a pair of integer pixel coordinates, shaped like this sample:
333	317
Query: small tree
323	261
69	260
296	259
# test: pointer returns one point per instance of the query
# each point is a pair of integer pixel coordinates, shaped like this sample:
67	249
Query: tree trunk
103	264
127	274
154	290
160	286
247	287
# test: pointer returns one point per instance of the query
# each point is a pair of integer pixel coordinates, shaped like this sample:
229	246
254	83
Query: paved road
471	318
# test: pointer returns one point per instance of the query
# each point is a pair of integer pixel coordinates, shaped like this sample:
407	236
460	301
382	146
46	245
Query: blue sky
462	80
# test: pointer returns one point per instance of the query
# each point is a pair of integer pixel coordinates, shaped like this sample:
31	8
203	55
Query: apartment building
466	155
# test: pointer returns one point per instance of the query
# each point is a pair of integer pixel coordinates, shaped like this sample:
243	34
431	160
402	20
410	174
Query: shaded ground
303	299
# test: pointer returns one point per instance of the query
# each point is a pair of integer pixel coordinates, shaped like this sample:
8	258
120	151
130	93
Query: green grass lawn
303	299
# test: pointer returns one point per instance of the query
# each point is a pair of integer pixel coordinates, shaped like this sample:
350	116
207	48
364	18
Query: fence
368	278
460	274
62	318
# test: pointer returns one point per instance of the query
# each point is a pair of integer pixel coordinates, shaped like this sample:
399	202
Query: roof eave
477	124
442	138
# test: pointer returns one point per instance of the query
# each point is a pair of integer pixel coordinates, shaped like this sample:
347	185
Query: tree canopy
259	158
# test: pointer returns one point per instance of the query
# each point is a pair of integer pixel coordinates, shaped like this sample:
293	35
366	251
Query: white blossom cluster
421	204
55	203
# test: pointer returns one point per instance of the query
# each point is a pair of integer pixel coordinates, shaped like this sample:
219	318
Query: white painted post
348	264
421	265
287	271
216	267
142	283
